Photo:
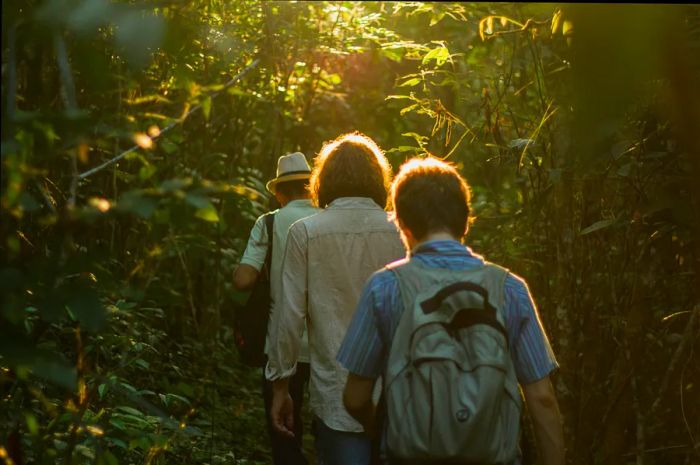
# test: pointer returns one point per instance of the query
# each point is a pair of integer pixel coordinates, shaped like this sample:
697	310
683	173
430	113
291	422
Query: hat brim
272	184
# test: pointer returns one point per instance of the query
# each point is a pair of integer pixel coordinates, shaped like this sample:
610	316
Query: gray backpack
451	392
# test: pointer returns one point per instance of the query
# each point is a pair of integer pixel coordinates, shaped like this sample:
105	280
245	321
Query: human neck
435	236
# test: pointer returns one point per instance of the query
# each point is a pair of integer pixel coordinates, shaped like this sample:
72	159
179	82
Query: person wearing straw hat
290	189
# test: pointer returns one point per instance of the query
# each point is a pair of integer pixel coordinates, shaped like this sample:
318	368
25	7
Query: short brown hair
429	196
352	165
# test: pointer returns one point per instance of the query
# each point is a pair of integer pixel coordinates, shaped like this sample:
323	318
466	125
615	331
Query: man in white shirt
290	189
328	258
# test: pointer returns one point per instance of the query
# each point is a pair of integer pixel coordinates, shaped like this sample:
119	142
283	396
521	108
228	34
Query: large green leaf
597	226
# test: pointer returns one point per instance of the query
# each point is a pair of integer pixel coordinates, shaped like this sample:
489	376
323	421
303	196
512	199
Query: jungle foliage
577	127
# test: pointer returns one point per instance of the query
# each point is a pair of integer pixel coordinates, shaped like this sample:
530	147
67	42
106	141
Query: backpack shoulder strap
269	224
495	281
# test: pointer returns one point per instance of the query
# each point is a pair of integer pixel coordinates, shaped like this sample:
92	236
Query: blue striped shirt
365	349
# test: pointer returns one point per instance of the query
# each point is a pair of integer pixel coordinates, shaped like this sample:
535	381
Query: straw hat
290	167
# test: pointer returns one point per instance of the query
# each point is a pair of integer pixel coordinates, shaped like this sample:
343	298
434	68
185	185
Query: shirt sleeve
290	309
256	250
362	351
530	349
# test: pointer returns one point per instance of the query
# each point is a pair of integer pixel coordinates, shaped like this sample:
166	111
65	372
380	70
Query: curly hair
352	165
429	196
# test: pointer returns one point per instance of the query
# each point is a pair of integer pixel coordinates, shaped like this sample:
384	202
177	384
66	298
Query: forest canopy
137	138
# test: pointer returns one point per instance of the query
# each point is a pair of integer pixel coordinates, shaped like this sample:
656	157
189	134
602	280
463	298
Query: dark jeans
335	447
288	451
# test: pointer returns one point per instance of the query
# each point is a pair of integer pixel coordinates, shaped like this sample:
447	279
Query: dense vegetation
577	127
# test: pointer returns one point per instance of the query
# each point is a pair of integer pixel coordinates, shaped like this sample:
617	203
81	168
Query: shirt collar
354	202
443	247
299	203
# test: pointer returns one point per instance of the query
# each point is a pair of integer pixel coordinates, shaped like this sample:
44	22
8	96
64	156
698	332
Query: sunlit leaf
408	108
410	82
207	213
436	18
567	28
556	21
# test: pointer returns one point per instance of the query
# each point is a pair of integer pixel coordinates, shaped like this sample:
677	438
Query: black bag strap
433	303
269	223
466	317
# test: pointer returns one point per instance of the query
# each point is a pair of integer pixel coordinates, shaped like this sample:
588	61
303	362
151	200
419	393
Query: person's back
329	257
290	189
347	242
432	210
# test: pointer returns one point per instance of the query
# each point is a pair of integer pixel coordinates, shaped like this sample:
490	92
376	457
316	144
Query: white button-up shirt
328	259
256	251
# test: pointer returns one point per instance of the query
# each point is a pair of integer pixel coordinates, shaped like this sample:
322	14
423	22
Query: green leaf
439	54
129	410
394	54
197	201
177	397
121	427
407	148
140	443
410	82
598	225
147	171
168	146
405	110
32	425
207	213
518	144
88	309
56	371
171	185
136	202
206	107
107	458
437	18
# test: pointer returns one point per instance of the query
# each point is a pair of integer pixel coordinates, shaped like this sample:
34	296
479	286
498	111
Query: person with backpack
260	269
453	338
329	257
